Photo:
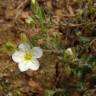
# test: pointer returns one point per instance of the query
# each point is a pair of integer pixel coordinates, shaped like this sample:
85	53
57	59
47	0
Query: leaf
24	38
30	20
67	70
49	93
84	39
92	59
70	55
80	86
10	46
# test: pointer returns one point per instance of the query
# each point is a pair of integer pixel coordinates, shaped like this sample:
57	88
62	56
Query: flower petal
24	46
37	52
17	56
23	67
34	65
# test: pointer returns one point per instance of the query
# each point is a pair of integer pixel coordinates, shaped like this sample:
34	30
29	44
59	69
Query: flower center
28	56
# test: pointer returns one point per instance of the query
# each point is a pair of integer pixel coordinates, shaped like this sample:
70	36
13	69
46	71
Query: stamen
28	56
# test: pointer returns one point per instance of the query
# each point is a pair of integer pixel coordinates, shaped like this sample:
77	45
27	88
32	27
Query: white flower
26	58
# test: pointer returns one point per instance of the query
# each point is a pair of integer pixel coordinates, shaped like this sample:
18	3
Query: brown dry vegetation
51	73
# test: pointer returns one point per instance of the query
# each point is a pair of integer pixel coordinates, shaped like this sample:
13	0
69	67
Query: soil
51	74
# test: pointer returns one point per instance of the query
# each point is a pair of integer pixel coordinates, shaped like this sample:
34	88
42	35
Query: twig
65	16
79	25
21	7
22	4
54	51
69	7
92	41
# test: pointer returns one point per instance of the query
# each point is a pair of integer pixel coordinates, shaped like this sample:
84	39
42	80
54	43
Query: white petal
24	46
17	56
37	52
23	67
34	65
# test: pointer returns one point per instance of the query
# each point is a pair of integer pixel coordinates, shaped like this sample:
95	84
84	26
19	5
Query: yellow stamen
28	56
